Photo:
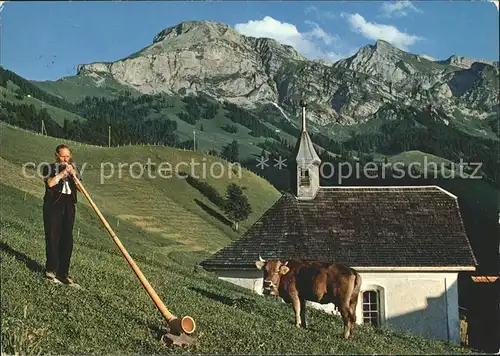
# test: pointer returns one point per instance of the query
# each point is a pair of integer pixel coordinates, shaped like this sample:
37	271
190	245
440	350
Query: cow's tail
357	284
356	289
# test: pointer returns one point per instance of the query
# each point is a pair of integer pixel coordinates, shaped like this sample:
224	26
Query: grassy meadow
167	226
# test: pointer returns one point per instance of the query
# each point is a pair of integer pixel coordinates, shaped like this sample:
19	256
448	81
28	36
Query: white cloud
314	44
376	31
321	15
318	32
399	8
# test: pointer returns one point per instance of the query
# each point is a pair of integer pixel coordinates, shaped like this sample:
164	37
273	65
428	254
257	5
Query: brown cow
296	281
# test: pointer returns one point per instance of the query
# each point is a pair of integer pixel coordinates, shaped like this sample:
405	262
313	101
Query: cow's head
273	270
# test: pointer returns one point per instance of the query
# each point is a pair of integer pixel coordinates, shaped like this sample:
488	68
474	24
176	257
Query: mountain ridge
212	58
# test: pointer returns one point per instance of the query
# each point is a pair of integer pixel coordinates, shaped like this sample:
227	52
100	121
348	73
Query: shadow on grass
206	189
243	303
212	212
32	265
251	306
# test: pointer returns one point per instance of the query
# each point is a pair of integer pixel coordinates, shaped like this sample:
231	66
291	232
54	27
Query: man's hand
55	180
70	170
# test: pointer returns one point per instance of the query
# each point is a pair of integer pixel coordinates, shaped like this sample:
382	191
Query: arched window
372	305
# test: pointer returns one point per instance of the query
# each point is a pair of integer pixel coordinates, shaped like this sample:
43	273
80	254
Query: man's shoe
68	281
51	276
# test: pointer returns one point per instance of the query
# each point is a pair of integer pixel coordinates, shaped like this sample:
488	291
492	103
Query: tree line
127	116
130	120
424	133
28	117
419	130
272	115
198	107
24	87
244	117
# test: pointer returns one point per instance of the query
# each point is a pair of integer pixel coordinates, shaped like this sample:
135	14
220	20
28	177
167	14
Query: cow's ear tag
284	269
259	264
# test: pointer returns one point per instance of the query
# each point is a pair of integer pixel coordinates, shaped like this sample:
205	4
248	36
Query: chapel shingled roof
358	226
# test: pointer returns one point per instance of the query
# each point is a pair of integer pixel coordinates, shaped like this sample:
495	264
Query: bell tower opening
304	177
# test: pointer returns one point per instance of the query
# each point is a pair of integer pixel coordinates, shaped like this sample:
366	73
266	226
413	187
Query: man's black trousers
58	219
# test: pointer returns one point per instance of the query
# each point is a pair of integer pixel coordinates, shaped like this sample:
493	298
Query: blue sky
47	40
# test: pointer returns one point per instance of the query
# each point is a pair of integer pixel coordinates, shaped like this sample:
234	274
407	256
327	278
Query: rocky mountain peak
380	59
465	62
196	29
379	48
384	46
200	56
208	57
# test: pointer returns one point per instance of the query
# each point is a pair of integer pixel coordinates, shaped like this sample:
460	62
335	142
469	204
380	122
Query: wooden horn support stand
180	328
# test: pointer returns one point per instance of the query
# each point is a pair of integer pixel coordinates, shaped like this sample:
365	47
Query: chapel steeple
305	174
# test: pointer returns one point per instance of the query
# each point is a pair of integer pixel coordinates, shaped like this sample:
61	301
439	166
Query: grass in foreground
114	315
168	205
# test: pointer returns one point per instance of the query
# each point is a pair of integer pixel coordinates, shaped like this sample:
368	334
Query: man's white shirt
66	189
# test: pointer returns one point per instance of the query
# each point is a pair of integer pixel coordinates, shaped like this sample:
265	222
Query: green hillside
76	88
486	196
175	121
167	233
105	104
55	112
168	201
